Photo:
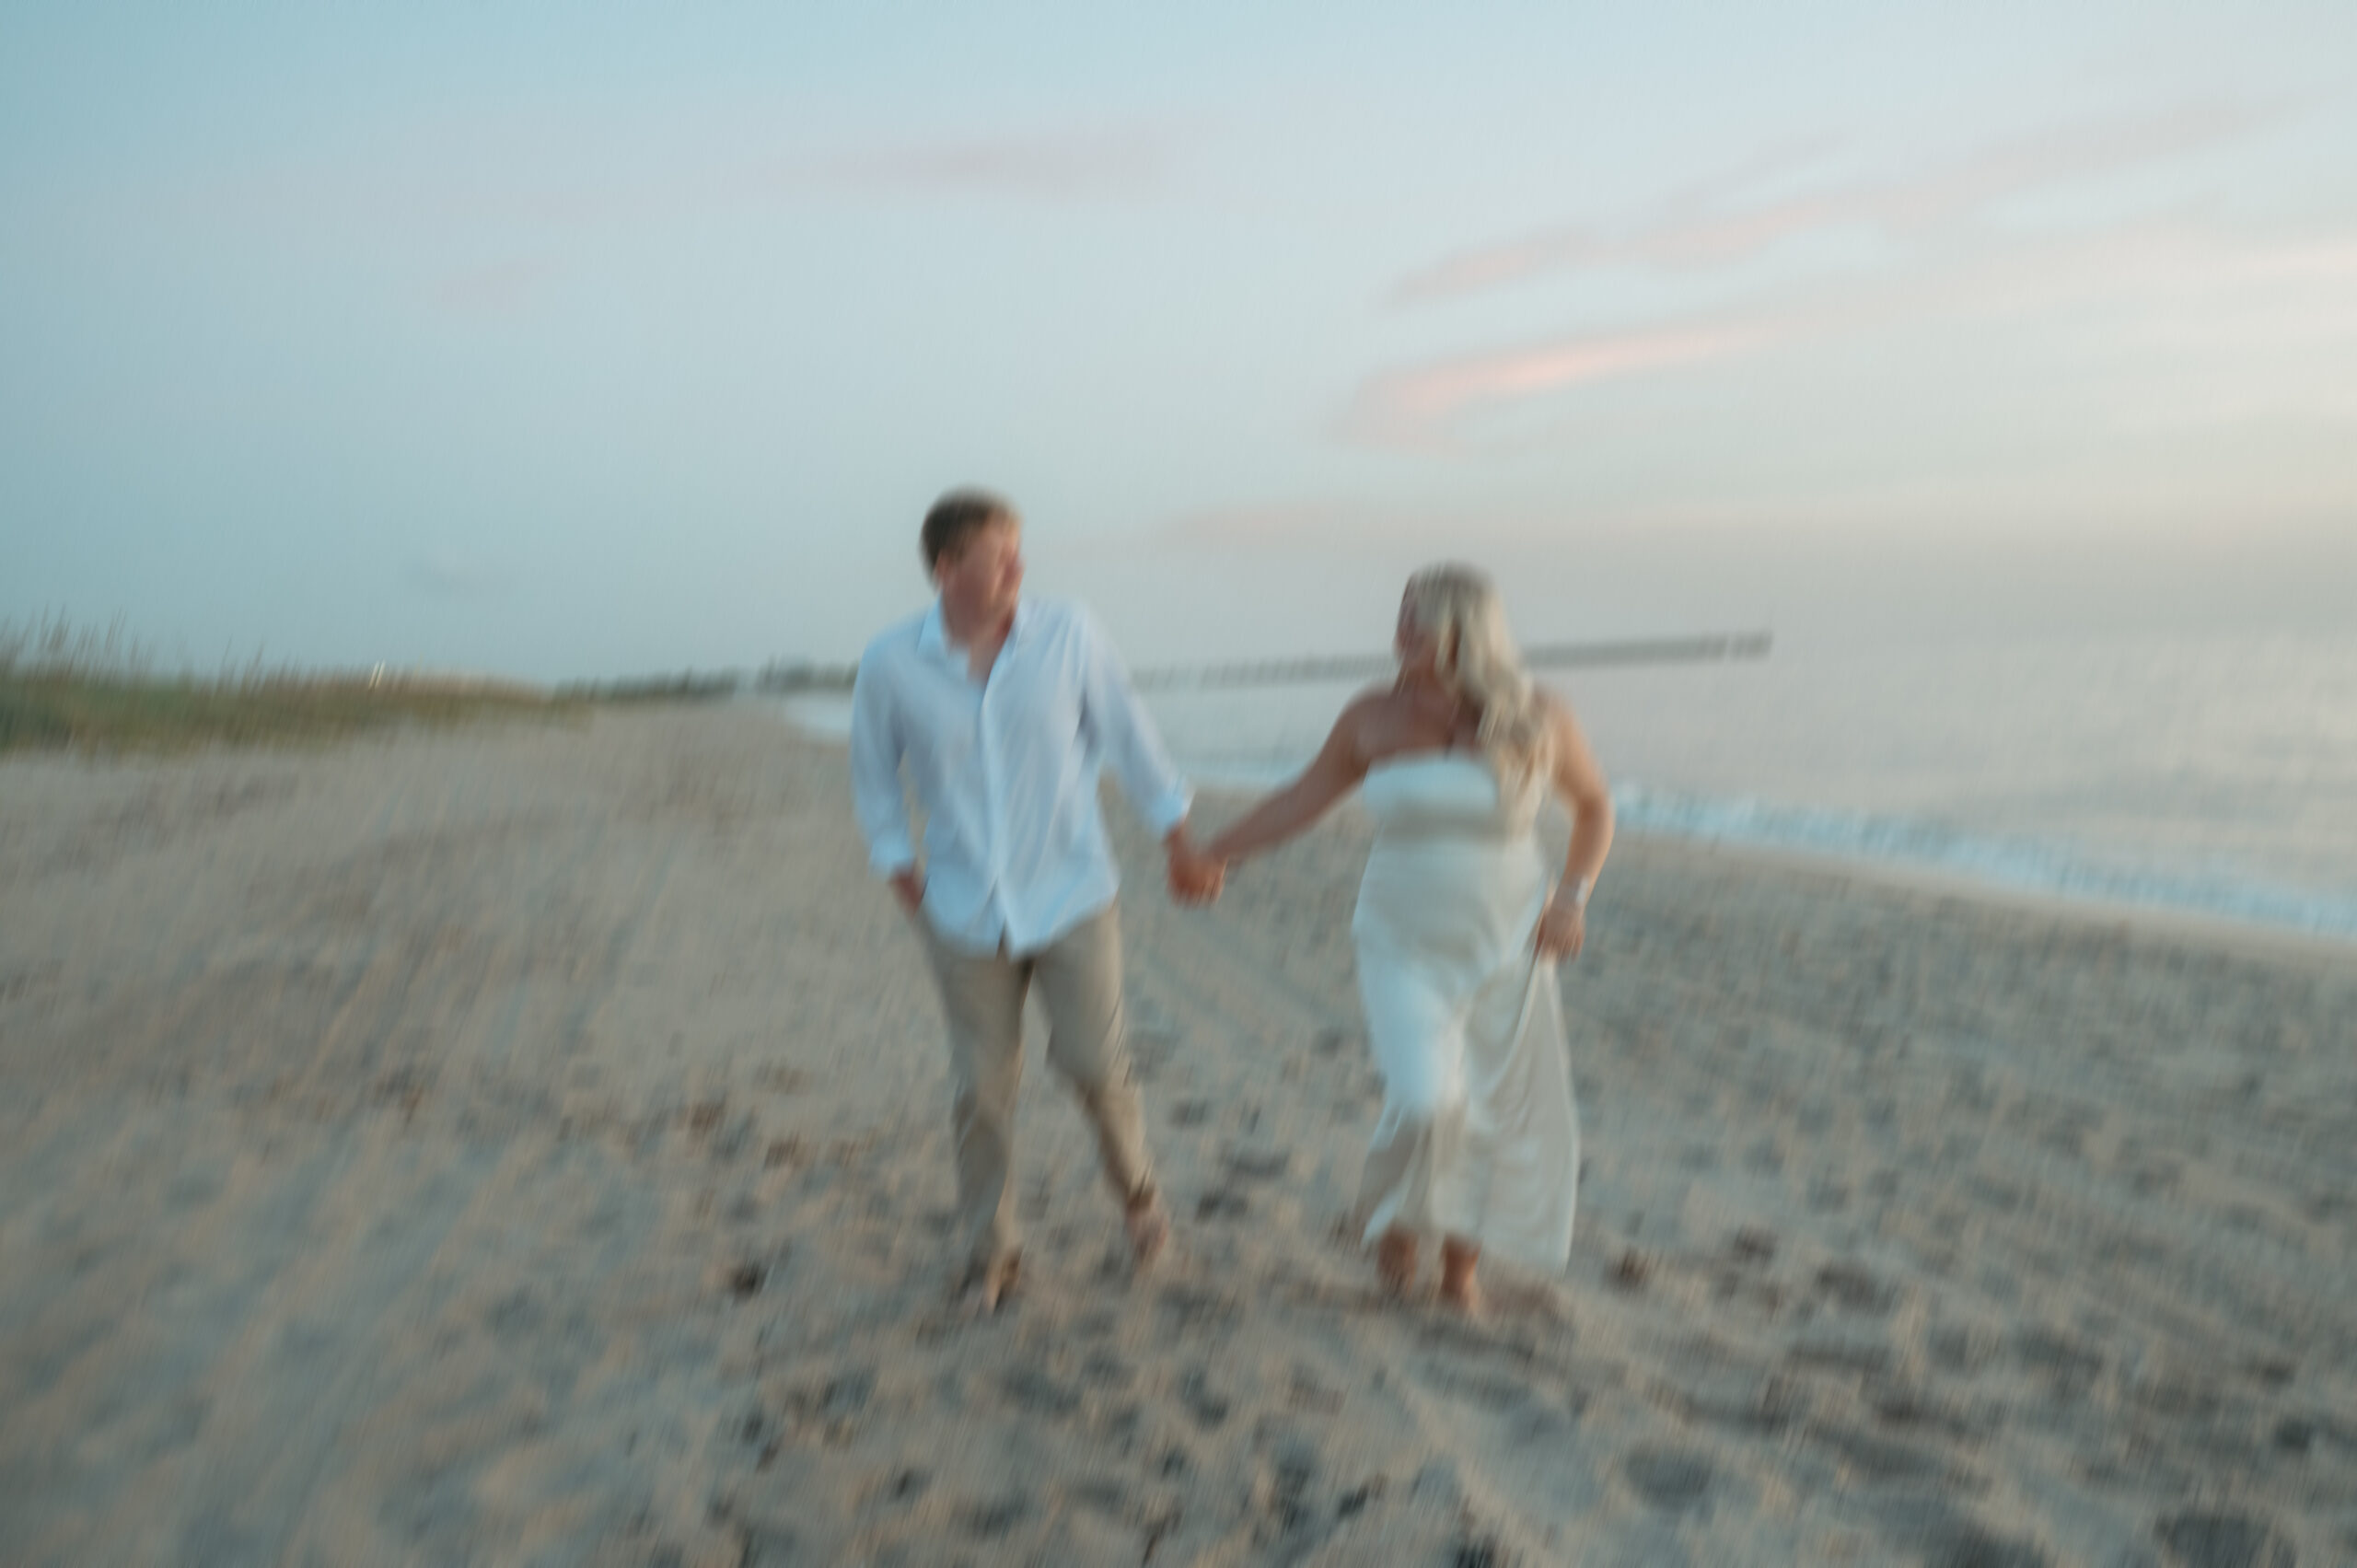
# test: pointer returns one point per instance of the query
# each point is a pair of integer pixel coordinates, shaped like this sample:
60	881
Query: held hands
1195	878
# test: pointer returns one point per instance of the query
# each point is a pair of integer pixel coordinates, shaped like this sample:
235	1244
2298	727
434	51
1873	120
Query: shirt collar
933	638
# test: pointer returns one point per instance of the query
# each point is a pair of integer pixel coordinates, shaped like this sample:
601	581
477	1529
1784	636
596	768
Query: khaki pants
1079	977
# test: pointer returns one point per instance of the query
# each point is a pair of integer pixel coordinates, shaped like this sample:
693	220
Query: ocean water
2214	775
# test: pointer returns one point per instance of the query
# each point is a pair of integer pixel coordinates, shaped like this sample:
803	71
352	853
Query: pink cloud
1417	407
1436	406
1678	235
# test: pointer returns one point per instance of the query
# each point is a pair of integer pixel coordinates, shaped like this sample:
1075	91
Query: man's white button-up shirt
1007	769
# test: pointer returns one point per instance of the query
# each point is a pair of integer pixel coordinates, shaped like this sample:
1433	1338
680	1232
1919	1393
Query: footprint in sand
1936	1532
1874	1460
1850	1288
1104	1369
2070	1369
2223	1541
1290	1475
1201	1306
514	1316
1306	1394
1150	1048
1460	1378
1104	1494
1480	1551
1961	1349
1223	1205
1257	1165
740	1278
1034	1390
1668	1481
1203	1400
991	1517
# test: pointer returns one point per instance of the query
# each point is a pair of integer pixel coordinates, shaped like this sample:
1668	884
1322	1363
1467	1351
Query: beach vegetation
69	688
688	686
783	678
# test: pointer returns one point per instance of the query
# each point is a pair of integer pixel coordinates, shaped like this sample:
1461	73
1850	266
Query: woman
1458	931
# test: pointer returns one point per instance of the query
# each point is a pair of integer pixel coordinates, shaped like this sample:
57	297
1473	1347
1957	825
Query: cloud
2169	275
1419	405
1700	229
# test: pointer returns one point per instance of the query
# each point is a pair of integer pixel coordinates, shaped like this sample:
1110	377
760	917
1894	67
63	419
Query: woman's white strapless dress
1479	1134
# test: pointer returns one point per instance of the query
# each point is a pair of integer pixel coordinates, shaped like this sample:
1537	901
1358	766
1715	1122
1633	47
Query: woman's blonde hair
1475	656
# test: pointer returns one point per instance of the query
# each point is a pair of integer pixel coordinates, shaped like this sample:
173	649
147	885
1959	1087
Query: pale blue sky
565	340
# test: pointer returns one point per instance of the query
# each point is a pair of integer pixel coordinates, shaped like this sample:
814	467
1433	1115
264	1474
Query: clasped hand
1195	878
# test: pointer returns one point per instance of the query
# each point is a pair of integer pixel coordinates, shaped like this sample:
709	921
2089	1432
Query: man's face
983	580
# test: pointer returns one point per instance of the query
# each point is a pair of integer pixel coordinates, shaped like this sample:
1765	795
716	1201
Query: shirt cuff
1170	810
889	860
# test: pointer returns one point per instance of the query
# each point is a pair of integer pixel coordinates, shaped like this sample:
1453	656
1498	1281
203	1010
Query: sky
584	341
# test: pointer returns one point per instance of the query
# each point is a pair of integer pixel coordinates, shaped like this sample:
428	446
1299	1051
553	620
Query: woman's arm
1333	773
1577	779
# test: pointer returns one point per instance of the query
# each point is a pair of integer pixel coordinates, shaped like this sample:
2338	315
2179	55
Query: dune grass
688	686
63	688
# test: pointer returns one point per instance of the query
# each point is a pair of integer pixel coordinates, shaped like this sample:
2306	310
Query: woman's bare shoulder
1362	724
1373	705
1553	705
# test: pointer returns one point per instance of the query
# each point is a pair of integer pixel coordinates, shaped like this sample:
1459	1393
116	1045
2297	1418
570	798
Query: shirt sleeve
1116	722
877	795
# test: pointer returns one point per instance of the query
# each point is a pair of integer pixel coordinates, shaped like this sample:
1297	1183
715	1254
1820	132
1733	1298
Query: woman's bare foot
1458	1289
988	1284
1149	1228
1395	1261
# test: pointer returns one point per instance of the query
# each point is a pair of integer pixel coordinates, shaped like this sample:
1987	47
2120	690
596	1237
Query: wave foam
2017	863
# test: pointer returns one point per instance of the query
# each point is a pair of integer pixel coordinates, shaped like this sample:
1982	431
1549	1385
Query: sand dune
530	1147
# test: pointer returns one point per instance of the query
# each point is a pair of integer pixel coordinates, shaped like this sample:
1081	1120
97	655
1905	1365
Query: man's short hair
957	517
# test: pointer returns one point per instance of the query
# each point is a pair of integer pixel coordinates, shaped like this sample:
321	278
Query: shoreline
2158	919
2155	921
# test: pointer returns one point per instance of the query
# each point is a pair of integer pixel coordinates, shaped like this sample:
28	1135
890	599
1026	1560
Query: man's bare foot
1149	1228
988	1285
1458	1289
1395	1261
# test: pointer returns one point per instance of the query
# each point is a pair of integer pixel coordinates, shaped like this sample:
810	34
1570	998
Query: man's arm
1114	720
876	794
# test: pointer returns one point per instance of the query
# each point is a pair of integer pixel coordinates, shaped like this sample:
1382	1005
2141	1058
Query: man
1000	710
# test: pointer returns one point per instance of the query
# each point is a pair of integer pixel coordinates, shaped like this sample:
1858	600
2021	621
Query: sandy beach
530	1146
